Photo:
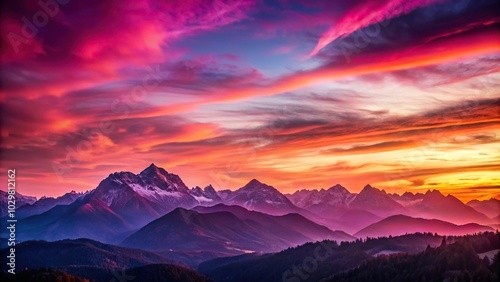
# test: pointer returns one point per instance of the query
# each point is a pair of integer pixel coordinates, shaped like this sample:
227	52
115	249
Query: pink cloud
86	44
366	13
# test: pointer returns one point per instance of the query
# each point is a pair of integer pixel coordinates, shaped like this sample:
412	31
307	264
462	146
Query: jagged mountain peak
159	177
259	189
259	196
122	176
435	196
370	189
408	194
434	193
153	170
197	189
337	188
334	196
205	196
144	196
376	201
256	185
209	188
153	182
254	182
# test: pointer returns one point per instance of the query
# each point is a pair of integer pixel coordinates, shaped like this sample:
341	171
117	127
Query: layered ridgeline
124	203
400	224
473	257
46	203
414	255
229	228
352	212
490	207
95	261
152	224
21	201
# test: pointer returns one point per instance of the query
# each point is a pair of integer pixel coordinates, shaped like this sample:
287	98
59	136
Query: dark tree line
41	275
149	273
455	260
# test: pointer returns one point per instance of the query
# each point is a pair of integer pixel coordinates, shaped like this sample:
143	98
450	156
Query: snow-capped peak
205	196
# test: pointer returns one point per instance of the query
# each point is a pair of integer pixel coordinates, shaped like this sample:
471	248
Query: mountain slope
337	196
206	196
490	208
121	203
224	231
457	261
261	197
435	205
284	223
21	200
376	201
400	224
407	199
46	203
82	257
145	196
353	220
188	230
85	218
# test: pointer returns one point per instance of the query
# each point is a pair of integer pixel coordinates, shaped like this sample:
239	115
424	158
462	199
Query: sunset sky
404	95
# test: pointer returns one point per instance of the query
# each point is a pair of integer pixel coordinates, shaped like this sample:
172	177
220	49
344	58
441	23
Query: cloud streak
365	13
226	95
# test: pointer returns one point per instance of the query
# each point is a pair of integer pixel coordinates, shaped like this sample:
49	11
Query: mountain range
46	203
124	203
490	208
400	224
21	201
149	221
229	228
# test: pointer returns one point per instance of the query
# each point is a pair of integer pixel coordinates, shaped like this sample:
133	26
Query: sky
299	94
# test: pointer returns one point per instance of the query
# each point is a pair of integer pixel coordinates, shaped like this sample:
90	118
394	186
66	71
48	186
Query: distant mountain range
46	203
21	201
490	207
400	224
260	197
155	204
152	225
431	205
